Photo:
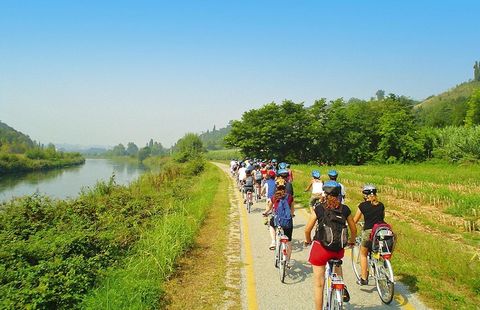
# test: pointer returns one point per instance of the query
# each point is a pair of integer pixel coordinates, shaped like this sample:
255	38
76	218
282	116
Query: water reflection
68	182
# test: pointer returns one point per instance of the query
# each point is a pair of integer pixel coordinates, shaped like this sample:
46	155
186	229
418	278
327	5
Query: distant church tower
476	71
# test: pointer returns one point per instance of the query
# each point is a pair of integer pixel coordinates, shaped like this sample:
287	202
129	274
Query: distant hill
13	141
447	108
213	139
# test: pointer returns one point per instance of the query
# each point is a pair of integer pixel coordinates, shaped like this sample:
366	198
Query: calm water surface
64	183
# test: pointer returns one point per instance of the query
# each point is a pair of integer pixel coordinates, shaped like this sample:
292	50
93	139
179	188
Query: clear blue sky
105	72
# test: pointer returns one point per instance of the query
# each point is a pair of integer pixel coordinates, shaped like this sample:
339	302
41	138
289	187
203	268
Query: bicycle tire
336	300
283	263
326	299
357	269
277	254
384	280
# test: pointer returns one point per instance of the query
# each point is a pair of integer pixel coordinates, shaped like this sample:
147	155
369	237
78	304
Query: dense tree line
449	108
214	139
13	141
18	153
132	150
383	129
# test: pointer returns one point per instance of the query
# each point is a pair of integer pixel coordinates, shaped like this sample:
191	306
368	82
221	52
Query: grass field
434	210
219	155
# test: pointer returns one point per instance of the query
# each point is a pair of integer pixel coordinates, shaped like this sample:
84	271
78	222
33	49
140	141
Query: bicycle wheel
326	290
277	254
357	270
384	280
283	263
336	300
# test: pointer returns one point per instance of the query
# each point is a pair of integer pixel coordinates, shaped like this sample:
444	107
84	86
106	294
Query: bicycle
333	287
280	253
379	266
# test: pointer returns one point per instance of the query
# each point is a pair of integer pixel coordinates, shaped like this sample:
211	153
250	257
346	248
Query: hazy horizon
103	73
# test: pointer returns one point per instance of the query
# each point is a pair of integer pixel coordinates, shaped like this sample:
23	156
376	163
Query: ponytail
332	202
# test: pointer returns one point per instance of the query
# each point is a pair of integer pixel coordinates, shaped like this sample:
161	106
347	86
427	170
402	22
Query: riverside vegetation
18	153
112	247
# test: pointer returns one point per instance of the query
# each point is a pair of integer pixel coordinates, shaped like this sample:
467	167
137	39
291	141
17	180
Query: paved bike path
261	286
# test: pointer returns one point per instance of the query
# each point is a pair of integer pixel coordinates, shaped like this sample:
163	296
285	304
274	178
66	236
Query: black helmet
369	189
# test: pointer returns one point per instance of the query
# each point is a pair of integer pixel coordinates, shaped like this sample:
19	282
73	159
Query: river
67	182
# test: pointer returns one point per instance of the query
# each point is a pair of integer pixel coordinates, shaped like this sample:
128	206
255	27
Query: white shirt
242	175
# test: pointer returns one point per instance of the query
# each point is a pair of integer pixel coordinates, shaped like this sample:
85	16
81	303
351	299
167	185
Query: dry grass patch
200	279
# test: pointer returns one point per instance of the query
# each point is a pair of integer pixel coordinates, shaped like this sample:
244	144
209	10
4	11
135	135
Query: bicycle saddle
336	262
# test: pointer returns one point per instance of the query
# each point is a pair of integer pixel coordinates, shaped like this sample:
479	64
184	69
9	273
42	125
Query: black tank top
372	214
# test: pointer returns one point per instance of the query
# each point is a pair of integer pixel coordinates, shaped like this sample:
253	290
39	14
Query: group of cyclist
276	185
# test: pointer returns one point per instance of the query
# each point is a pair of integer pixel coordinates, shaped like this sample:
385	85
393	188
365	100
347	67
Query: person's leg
272	235
318	282
363	262
272	231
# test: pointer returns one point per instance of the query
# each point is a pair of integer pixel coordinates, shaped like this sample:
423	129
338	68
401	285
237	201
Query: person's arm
308	228
309	186
353	229
357	216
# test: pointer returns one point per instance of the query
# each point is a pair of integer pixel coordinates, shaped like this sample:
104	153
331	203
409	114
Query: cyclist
316	185
290	174
258	179
268	190
319	255
332	175
283	173
280	194
373	212
248	184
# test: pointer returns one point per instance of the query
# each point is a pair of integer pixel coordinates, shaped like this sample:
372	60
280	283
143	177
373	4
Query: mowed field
434	210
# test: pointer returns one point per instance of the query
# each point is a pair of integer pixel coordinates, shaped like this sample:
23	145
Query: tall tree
132	149
380	94
476	71
472	117
188	147
399	139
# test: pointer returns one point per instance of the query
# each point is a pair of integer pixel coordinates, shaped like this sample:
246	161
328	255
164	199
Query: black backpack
332	230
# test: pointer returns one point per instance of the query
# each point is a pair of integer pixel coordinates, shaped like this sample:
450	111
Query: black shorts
248	189
288	232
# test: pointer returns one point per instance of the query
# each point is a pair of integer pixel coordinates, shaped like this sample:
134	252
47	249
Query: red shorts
319	256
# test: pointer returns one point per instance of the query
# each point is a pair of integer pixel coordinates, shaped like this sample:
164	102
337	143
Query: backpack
258	176
383	238
249	181
283	217
332	229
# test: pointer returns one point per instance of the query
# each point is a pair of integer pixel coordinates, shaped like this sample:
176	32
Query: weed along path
261	286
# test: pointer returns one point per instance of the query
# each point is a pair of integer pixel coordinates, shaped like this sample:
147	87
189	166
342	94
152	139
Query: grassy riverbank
13	163
120	241
430	207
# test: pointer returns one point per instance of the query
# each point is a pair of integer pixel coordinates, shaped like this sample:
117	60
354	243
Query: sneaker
346	295
272	246
362	282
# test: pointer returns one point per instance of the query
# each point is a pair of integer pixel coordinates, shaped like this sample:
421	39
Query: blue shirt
272	187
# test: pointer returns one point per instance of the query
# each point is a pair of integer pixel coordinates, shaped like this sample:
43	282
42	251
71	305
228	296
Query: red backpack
382	237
